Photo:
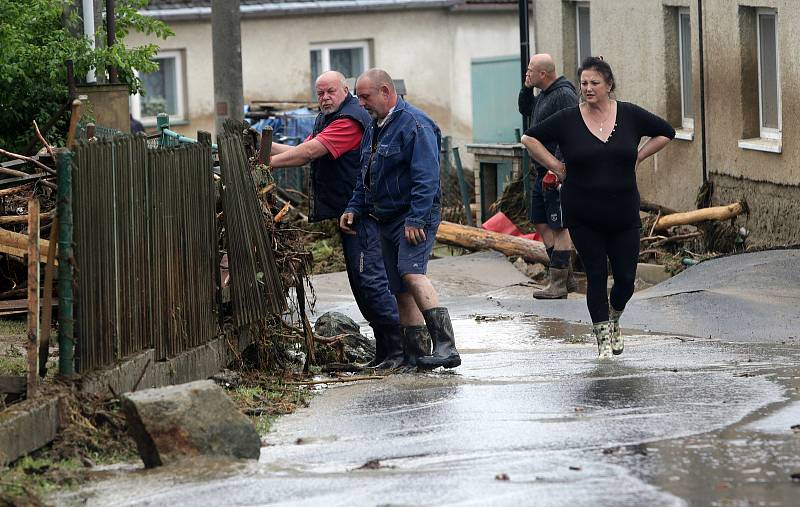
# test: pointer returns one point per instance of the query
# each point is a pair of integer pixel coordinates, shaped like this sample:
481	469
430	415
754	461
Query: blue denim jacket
400	176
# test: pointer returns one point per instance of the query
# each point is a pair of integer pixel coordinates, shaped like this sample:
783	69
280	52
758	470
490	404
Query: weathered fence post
33	296
47	305
462	183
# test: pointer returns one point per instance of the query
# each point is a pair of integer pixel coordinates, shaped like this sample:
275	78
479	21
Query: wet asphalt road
530	418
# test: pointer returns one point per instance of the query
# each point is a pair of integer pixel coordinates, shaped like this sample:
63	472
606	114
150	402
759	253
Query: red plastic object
499	222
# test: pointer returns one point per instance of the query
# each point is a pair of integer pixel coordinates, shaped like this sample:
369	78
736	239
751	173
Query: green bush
37	38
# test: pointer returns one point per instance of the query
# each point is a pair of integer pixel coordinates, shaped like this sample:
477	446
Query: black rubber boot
416	343
380	348
393	343
444	341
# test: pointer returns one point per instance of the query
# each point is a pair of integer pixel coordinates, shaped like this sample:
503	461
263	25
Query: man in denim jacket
399	187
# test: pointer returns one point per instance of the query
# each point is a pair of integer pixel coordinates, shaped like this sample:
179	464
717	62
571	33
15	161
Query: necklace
604	119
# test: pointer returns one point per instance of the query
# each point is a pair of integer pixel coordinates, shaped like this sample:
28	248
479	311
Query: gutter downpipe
524	48
88	32
66	322
703	137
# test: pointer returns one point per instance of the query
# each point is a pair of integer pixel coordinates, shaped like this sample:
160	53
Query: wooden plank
12	384
47	305
22	180
33	296
16	304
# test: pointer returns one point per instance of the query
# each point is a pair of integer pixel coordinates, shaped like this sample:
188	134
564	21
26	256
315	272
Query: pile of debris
673	239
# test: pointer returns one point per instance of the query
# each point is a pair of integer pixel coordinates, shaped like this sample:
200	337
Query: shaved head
333	75
544	62
541	71
378	77
331	89
376	92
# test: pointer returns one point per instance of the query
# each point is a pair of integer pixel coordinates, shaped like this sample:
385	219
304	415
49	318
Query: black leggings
621	248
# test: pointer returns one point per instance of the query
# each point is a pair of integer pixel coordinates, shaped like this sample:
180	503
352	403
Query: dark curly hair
597	64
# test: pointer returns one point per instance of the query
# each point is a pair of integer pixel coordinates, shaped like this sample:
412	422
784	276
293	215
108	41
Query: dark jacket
399	168
559	95
333	179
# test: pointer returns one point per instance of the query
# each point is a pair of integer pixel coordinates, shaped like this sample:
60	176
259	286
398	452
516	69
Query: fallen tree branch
14	172
676	238
330	340
43	140
718	213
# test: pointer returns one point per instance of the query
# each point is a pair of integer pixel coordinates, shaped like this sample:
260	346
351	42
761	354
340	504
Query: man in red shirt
334	150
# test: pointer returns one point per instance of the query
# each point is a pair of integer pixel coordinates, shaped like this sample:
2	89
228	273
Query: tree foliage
37	37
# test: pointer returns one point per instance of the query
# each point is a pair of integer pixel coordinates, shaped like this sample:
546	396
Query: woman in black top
600	143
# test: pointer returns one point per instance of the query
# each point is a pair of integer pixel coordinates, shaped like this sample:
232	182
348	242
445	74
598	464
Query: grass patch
264	398
13	327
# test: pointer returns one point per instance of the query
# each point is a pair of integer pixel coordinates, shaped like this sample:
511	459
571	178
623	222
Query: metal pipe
88	32
703	140
66	335
111	36
524	48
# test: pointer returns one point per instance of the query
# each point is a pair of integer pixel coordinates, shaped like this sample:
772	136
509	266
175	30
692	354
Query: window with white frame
349	58
584	42
769	93
685	63
163	90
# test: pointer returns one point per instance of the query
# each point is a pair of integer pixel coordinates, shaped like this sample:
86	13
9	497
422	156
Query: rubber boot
394	348
416	343
557	288
602	333
444	341
572	283
380	348
617	343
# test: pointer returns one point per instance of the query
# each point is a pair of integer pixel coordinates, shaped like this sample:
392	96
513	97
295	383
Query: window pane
584	36
349	62
768	65
161	89
316	69
686	65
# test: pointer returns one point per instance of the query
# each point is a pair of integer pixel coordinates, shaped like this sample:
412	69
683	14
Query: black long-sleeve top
600	188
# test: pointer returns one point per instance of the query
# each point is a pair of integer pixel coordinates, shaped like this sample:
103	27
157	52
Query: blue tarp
288	127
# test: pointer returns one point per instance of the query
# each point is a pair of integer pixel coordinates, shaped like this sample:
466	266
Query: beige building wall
431	49
637	40
732	90
640	41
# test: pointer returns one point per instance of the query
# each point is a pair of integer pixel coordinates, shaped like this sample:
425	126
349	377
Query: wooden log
699	215
33	296
473	238
655	208
21	219
73	123
14	243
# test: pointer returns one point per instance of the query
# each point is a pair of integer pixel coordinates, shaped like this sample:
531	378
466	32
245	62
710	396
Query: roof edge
293	8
